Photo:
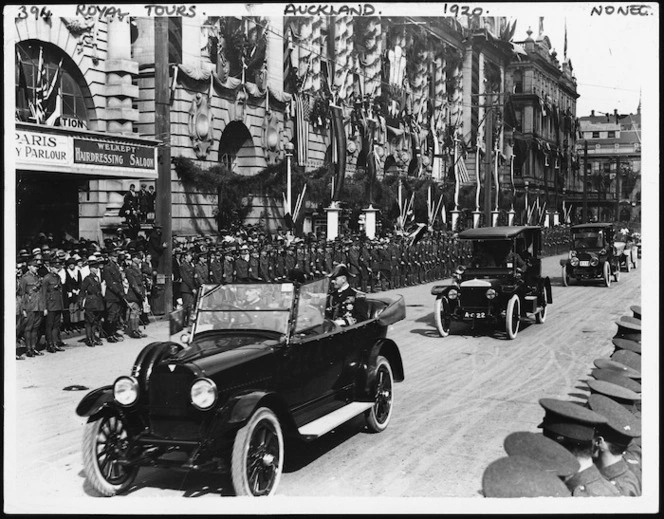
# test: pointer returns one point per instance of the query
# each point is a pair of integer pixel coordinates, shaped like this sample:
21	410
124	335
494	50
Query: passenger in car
344	307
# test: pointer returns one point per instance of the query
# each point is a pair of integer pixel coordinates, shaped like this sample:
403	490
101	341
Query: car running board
326	423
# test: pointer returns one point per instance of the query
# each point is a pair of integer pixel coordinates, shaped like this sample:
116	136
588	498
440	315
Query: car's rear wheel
258	455
442	316
512	317
378	417
607	274
105	442
565	277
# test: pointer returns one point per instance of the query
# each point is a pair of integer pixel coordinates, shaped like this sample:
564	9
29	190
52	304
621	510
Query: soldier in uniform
114	296
290	259
343	307
216	268
32	306
254	264
353	255
612	441
229	266
92	302
574	426
328	258
242	274
54	305
264	264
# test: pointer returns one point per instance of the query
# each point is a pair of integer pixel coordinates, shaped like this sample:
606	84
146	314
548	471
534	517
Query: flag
461	169
541	28
45	95
57	110
22	93
302	111
565	44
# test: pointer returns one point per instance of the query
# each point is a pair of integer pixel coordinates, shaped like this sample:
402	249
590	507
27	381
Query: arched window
61	77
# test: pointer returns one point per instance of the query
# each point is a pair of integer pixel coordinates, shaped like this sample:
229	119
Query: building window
595	135
72	100
611	134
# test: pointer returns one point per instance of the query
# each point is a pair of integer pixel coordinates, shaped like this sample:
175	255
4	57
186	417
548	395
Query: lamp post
289	194
525	209
585	181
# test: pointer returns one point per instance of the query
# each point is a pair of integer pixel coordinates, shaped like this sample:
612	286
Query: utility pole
585	181
163	134
488	137
617	211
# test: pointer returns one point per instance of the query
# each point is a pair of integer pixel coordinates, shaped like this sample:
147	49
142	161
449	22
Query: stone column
370	221
120	91
476	219
332	221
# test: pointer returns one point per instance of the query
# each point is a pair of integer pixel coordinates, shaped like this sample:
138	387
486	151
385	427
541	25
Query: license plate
584	263
477	315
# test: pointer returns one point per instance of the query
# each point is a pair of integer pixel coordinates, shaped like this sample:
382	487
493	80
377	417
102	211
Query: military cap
636	310
113	251
626	344
551	456
610	375
339	270
631	322
628	328
32	261
618	393
621	426
569	420
628	358
618	367
520	476
71	261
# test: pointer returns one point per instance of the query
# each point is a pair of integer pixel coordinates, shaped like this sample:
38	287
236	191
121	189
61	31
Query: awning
82	152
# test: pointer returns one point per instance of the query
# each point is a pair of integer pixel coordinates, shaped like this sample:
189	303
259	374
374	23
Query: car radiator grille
474	298
171	412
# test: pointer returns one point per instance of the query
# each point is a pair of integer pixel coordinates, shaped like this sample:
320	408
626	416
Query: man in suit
135	294
92	302
54	305
189	285
114	296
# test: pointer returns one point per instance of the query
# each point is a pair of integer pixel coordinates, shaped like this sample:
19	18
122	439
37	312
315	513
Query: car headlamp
574	261
203	393
602	252
125	390
594	260
453	293
572	253
491	293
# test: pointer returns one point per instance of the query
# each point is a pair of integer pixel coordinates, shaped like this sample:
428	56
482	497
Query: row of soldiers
589	449
56	292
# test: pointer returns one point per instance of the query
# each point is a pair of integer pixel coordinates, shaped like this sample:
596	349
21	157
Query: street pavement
461	397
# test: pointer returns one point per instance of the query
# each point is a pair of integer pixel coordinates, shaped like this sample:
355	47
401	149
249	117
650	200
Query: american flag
462	172
302	110
45	93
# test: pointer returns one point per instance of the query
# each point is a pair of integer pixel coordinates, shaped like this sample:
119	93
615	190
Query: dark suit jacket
188	274
112	275
91	293
52	292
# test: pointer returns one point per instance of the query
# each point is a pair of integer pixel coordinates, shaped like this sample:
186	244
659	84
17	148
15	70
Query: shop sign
40	148
114	154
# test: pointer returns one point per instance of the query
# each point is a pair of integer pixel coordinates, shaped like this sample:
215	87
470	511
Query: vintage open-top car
503	282
262	363
626	249
593	254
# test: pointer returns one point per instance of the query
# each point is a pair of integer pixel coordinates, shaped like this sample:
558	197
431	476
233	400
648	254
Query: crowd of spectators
128	264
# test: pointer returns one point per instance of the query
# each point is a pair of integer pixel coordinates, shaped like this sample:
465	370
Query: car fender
95	401
564	262
388	349
240	408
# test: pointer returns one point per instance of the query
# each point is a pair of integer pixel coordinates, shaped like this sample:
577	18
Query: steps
326	423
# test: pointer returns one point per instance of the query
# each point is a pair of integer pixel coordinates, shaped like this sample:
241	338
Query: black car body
262	363
592	255
493	287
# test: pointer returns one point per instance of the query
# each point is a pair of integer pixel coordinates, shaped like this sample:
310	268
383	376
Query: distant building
542	101
614	165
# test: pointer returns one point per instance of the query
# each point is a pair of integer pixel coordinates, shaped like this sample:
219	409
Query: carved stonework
83	29
238	110
261	77
272	138
201	126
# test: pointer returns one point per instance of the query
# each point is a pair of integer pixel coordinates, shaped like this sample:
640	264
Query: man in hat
32	305
53	302
114	297
71	287
343	306
612	441
143	203
229	266
216	268
92	302
242	273
135	295
189	285
573	426
156	245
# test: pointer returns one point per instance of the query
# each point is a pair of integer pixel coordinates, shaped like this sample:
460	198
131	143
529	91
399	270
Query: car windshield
311	305
588	240
259	306
491	254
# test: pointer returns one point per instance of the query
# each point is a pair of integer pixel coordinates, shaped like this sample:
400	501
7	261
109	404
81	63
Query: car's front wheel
607	274
565	277
540	317
258	455
105	442
512	317
442	316
378	417
628	263
635	261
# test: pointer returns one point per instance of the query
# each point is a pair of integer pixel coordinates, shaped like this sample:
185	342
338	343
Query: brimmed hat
617	366
568	420
615	377
551	456
636	310
520	476
620	394
626	344
621	426
628	358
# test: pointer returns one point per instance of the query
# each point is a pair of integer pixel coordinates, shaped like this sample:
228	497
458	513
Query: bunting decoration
46	94
302	113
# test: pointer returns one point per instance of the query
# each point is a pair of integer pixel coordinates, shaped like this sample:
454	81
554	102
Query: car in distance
503	282
261	364
626	250
592	254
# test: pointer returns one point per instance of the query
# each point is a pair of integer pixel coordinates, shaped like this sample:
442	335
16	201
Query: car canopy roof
583	226
495	233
